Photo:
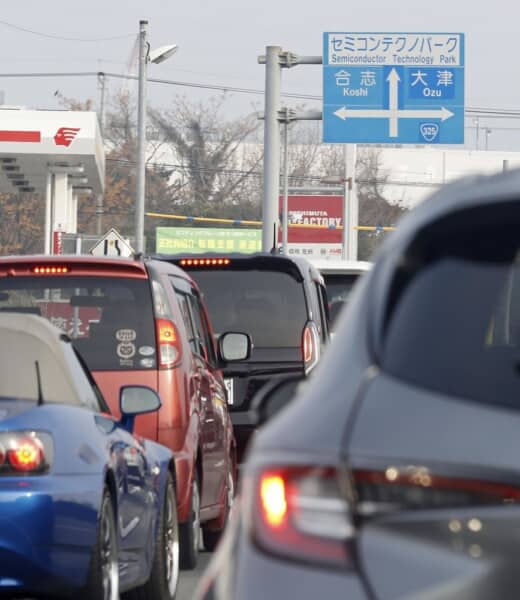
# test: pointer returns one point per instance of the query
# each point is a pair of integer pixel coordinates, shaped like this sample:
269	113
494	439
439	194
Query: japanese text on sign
394	49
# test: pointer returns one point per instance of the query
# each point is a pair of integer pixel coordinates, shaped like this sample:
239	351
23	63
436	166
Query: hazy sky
219	41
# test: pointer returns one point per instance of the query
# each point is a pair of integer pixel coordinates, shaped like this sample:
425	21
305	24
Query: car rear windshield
455	326
269	305
109	319
339	286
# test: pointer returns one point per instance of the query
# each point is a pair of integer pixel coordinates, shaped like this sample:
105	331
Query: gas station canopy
35	143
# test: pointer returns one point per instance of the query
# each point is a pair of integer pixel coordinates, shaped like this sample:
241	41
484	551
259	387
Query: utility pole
141	138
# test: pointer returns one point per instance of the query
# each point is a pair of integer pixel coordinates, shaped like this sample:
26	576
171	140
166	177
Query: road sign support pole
285	211
352	202
273	76
275	59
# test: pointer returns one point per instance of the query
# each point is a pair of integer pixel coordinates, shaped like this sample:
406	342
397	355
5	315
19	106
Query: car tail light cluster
310	346
300	513
418	488
25	453
204	262
168	343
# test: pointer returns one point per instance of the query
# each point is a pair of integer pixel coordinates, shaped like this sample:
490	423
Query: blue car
87	509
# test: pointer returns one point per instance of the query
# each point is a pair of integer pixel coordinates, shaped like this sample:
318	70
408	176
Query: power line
66	39
487	112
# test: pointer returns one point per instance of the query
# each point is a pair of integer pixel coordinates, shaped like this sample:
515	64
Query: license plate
229	387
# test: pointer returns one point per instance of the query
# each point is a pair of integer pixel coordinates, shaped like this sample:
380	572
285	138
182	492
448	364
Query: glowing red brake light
204	262
310	346
273	499
50	270
27	455
169	346
300	513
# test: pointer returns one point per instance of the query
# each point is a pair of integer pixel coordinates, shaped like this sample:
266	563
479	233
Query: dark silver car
396	471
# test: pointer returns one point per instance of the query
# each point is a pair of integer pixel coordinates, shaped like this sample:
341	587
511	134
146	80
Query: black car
280	301
396	474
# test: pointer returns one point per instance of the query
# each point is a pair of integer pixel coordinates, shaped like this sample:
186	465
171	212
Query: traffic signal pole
275	59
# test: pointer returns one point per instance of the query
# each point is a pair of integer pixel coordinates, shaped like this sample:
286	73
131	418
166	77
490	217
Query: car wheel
212	537
103	577
190	531
164	576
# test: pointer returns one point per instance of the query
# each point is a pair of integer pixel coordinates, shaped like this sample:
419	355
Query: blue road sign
393	88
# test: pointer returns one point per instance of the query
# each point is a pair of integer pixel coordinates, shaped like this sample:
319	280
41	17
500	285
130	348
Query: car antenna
274	249
39	383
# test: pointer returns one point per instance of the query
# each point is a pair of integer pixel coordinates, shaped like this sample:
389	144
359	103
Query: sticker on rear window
126	335
146	350
147	363
126	350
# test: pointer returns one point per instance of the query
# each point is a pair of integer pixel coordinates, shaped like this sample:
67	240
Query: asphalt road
189	579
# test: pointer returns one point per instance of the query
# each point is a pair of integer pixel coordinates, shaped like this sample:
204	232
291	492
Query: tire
212	537
189	532
164	576
103	577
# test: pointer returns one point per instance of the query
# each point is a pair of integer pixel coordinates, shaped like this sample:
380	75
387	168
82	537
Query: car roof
464	194
84	263
24	340
265	260
349	267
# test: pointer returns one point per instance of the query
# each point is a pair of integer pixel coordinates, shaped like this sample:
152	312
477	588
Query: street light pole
145	56
488	131
141	138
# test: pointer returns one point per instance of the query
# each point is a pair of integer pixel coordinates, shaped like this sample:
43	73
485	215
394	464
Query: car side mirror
234	346
136	400
273	396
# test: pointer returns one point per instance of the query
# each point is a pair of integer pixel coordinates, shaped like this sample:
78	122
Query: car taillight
418	488
310	346
25	452
300	514
168	343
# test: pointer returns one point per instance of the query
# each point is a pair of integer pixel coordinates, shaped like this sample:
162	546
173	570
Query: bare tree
218	161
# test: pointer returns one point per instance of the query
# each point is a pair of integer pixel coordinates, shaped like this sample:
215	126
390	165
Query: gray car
395	473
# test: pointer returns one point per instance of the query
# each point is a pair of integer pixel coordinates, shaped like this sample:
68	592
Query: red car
143	322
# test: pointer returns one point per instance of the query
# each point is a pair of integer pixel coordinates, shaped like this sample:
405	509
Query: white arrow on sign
393	81
393	113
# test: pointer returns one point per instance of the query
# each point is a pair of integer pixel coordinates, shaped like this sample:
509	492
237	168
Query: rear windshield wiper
40	400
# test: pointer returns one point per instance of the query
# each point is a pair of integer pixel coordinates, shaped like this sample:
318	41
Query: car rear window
269	305
339	286
109	319
455	325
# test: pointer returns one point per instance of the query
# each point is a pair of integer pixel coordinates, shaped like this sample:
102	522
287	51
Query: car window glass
160	300
269	305
29	365
87	394
200	328
321	317
339	286
455	326
109	319
186	317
